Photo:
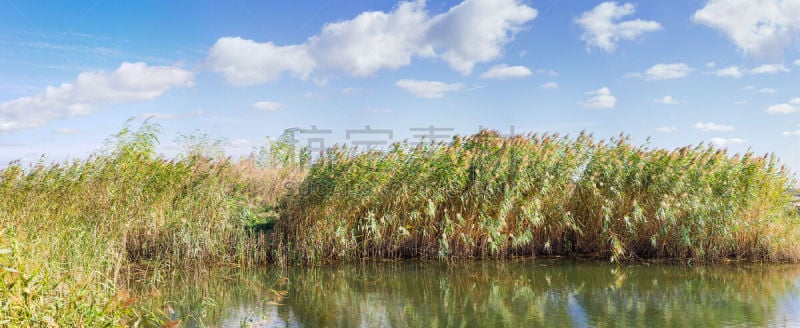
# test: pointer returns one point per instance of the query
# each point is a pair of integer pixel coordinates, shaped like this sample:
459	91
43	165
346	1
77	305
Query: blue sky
680	72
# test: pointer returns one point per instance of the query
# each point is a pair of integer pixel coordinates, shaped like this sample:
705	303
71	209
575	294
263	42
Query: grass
487	196
73	235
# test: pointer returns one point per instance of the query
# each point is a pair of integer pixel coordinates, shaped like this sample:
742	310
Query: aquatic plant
486	195
73	235
77	230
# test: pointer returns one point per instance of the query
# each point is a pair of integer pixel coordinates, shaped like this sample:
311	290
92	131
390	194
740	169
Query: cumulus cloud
794	133
246	62
667	100
475	31
767	90
267	106
712	127
723	142
667	71
603	28
797	62
602	99
760	28
769	69
129	83
731	71
549	85
737	72
667	129
504	71
374	40
428	89
472	32
785	108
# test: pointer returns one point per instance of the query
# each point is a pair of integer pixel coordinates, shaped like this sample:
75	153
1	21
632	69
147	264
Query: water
512	293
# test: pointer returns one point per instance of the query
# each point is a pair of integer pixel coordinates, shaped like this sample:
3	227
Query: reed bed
72	234
488	196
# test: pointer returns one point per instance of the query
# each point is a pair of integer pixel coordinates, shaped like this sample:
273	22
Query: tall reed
73	232
486	195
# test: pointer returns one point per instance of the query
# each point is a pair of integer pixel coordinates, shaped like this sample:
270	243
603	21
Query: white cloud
667	100
760	28
667	71
428	89
795	101
246	62
712	127
475	31
795	133
767	90
736	72
549	85
797	62
504	71
769	69
472	32
731	71
602	99
664	72
740	102
711	64
667	129
129	83
722	142
68	131
374	40
784	108
602	27
268	106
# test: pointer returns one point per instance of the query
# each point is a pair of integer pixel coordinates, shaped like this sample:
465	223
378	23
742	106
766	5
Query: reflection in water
492	294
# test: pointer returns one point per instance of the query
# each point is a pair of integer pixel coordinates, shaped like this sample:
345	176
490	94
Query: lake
492	293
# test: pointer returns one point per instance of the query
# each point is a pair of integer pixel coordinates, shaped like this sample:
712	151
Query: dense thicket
490	196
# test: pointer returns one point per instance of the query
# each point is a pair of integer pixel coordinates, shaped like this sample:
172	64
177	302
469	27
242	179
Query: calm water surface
513	293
